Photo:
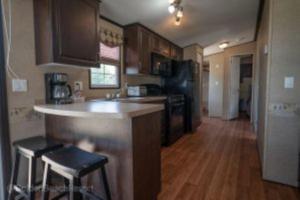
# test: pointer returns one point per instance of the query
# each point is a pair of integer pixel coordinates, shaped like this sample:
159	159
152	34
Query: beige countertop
100	109
142	99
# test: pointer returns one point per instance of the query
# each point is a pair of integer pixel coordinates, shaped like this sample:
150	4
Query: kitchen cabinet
176	53
145	59
160	45
140	42
165	47
137	50
67	32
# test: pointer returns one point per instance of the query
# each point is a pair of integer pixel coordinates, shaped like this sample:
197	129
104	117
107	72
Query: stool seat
36	146
32	149
74	161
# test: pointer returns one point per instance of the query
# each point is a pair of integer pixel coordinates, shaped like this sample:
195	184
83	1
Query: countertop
100	109
146	99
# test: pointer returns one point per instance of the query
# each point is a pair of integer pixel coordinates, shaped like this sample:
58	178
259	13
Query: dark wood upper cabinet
165	47
155	44
67	32
176	53
137	50
145	51
140	42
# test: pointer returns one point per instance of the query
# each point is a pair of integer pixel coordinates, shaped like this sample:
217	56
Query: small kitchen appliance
136	91
57	89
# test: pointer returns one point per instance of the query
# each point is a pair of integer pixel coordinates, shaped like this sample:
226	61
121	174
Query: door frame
230	88
5	151
253	91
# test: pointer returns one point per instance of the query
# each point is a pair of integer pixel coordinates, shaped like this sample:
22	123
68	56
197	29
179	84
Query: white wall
216	81
279	129
205	89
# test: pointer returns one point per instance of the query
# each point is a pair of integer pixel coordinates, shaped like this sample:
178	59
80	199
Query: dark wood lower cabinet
131	145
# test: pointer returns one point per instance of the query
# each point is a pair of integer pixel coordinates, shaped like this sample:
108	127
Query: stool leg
46	180
67	183
14	175
75	185
105	182
31	178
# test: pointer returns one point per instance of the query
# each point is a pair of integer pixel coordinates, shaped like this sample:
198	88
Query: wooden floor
220	161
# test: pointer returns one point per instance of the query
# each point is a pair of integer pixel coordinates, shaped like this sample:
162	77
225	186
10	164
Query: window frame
108	61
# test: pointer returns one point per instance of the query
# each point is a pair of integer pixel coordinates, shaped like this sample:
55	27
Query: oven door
176	126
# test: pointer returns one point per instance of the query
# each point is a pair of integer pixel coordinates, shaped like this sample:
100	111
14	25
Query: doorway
240	87
5	156
205	88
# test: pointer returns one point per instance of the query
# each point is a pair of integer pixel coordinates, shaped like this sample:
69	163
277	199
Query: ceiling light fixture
180	12
177	21
172	8
223	45
176	8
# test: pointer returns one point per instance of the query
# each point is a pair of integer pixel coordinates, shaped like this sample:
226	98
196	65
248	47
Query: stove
175	114
174	120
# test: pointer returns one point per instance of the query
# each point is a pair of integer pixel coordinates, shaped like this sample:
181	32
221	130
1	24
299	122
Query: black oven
160	65
175	122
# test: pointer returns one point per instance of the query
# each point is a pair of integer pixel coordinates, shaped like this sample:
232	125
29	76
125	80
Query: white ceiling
206	22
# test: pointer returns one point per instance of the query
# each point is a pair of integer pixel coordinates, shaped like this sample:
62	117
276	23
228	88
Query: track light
172	8
180	12
175	7
177	21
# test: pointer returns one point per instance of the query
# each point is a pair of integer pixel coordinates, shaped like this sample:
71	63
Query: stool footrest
60	196
20	191
90	195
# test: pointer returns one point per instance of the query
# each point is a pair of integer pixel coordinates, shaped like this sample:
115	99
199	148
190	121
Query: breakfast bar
127	133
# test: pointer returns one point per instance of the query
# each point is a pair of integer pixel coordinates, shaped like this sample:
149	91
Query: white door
234	87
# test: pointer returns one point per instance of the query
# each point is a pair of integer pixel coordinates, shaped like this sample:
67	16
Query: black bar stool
73	163
31	148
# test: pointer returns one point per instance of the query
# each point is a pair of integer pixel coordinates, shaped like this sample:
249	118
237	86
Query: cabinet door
165	47
144	51
76	26
155	44
173	52
179	53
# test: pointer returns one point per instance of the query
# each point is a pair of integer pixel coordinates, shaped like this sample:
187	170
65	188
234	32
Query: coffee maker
57	89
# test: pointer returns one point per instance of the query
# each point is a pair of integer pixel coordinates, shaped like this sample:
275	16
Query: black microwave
160	65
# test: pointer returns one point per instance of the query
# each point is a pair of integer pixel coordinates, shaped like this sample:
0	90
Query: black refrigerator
185	79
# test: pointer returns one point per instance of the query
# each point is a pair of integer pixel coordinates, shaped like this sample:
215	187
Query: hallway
220	161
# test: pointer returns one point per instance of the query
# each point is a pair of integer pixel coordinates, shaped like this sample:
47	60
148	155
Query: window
108	75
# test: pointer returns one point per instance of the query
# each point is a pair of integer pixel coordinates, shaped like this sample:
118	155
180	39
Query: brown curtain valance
111	38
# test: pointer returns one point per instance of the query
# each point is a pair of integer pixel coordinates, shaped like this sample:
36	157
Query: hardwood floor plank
219	162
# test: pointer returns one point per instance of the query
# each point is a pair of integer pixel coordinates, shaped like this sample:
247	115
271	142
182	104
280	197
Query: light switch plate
289	82
266	49
19	85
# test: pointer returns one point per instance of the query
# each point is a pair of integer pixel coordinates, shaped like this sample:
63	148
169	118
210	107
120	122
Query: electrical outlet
19	85
78	85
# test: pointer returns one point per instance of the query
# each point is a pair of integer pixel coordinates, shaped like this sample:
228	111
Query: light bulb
171	1
177	22
224	45
171	8
180	13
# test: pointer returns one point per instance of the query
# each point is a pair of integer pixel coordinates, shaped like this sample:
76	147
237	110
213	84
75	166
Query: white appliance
136	91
